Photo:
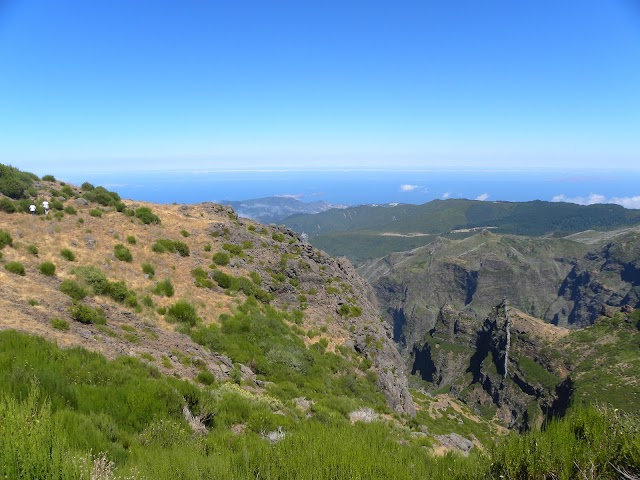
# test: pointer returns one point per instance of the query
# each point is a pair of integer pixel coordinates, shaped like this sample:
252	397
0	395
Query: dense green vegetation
63	413
14	183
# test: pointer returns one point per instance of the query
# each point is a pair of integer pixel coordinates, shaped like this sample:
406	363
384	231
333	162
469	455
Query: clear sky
140	84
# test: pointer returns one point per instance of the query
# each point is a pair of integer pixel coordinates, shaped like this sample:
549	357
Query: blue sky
134	85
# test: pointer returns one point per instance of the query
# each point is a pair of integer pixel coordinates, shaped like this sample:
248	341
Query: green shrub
232	248
206	377
122	253
83	313
94	212
7	205
86	186
120	207
58	215
255	278
171	246
94	278
5	239
102	196
57	205
164	288
69	210
221	278
183	312
278	237
73	289
247	244
184	233
14	183
131	240
47	268
146	216
59	324
221	258
49	178
67	254
15	267
33	250
118	291
201	279
148	269
207	247
67	191
182	249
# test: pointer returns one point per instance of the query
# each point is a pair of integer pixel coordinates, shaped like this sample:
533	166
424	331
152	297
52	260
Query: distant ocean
366	187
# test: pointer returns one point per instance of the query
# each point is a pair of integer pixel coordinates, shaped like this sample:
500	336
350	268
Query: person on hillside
45	205
32	209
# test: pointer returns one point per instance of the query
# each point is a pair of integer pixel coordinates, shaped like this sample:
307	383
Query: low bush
94	278
183	312
232	248
221	258
49	178
86	186
148	269
164	288
33	250
122	253
69	210
5	239
206	377
165	245
59	324
67	254
146	216
47	268
83	313
57	205
184	233
73	289
131	240
15	267
102	196
94	212
7	205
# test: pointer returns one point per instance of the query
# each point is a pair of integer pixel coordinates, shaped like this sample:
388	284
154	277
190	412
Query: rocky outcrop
496	364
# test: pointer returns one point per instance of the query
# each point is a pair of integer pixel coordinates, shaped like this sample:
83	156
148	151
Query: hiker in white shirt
32	209
45	205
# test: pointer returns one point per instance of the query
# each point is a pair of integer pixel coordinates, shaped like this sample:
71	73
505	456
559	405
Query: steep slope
334	307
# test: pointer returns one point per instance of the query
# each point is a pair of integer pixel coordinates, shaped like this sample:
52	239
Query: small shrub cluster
201	278
164	288
183	312
47	268
5	239
60	324
102	196
83	313
67	254
241	284
221	258
15	267
165	245
73	289
15	183
148	269
146	216
122	253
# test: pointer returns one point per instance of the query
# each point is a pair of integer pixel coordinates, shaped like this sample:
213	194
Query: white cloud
593	198
482	197
408	188
446	195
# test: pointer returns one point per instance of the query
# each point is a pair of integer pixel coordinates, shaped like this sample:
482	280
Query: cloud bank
593	198
408	188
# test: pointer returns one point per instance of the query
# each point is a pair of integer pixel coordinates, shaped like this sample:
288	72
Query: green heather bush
232	248
206	377
7	205
69	210
33	250
201	278
67	254
183	312
148	269
94	278
131	240
164	288
102	196
59	324
221	258
57	205
67	191
14	183
184	233
94	212
278	237
86	186
15	267
47	268
122	253
71	288
120	206
49	178
83	313
207	247
5	239
171	246
146	216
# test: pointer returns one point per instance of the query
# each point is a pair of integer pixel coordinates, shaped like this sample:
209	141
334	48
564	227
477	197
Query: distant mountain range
276	209
372	231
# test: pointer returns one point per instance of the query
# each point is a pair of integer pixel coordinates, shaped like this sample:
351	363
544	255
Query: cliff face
499	365
564	282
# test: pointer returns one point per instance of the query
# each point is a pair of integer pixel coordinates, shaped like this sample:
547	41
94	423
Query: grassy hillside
352	232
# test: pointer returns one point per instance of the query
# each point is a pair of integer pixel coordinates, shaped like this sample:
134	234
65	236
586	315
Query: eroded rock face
497	364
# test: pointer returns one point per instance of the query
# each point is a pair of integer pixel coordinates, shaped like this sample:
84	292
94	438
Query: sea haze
367	187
